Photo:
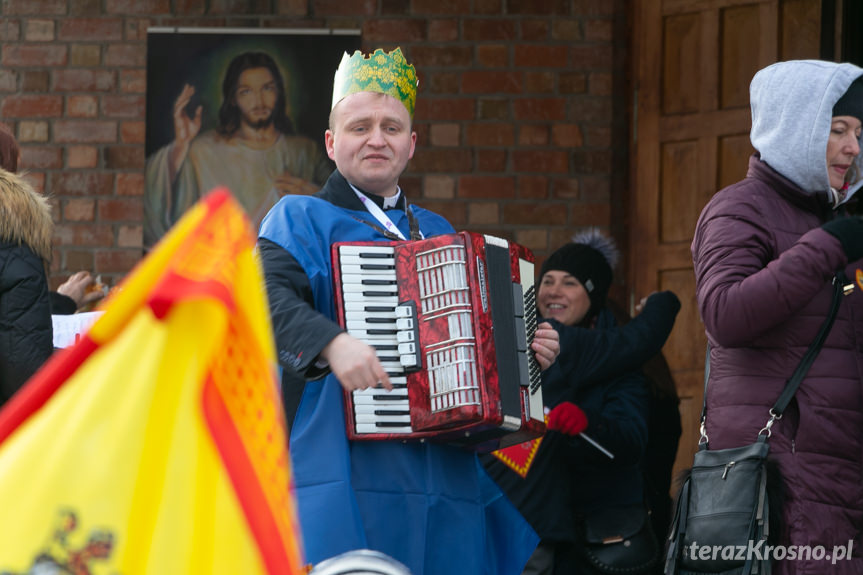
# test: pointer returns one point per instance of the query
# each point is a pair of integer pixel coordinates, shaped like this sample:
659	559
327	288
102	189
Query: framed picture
244	109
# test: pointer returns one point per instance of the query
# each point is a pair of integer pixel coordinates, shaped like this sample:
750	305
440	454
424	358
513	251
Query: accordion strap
839	288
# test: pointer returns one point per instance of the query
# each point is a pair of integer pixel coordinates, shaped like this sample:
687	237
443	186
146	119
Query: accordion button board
451	318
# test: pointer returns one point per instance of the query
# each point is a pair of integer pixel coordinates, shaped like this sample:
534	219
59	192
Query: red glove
567	418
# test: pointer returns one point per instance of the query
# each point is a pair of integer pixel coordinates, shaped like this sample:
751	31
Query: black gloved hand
849	232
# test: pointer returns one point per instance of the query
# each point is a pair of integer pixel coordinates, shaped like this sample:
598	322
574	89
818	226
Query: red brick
122	210
126	55
493	161
82	184
39	30
599	30
103	29
38	7
495	134
445	135
441	7
42	157
566	189
532	187
488	82
549	7
442	56
532	135
445	109
492	55
598	136
10	31
600	83
82	156
393	31
123	106
595	188
130	236
85	8
573	83
454	212
592	8
591	57
544	214
31	106
441	160
26	55
591	161
486	187
130	184
125	7
133	132
440	30
29	131
566	136
75	260
483	214
488	7
563	30
540	82
341	8
493	109
489	30
82	131
82	106
124	157
85	55
35	179
35	81
84	235
116	261
292	7
84	80
539	109
136	29
133	81
441	82
79	210
590	214
196	7
533	239
9	82
534	30
544	162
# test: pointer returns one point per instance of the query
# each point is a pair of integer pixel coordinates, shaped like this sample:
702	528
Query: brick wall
521	114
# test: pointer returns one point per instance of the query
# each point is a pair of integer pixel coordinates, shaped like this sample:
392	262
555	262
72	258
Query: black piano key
378	294
383	308
376	267
382	331
390	412
378	282
376	255
380	320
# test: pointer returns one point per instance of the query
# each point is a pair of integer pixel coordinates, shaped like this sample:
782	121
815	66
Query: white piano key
373	396
357	250
359	324
409	360
371	290
377	418
374	428
378	300
363	314
379	269
392	405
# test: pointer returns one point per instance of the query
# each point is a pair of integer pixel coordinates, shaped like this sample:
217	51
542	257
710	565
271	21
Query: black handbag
619	540
721	523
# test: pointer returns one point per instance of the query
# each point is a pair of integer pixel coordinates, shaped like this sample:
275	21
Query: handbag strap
839	288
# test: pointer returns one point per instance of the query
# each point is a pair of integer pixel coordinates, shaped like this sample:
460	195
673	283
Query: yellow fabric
122	457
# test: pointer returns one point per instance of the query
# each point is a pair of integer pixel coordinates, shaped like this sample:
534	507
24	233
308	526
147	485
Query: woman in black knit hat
592	389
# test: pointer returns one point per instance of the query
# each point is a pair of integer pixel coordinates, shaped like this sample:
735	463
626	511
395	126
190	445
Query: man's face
371	141
256	97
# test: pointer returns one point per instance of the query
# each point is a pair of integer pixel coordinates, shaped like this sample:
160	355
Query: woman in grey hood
765	251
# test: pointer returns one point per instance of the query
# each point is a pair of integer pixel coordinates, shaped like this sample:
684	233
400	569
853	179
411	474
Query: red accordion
452	318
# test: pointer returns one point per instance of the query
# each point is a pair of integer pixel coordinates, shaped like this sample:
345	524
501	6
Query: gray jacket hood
792	104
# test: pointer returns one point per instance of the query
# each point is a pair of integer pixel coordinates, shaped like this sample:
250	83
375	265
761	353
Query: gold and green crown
378	72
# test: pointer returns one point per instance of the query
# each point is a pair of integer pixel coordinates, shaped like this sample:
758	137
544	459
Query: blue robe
431	506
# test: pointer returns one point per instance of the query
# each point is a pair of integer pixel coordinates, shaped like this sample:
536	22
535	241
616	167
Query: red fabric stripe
252	499
39	388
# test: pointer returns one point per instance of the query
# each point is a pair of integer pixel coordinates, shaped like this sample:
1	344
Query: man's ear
328	144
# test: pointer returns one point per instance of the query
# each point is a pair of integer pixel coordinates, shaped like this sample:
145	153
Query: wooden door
693	61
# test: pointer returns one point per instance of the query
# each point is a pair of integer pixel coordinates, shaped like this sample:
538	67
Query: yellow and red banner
156	444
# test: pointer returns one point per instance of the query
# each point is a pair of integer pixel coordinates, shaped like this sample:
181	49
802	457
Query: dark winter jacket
26	335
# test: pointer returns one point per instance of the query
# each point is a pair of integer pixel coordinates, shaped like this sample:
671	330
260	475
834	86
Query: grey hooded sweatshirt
763	269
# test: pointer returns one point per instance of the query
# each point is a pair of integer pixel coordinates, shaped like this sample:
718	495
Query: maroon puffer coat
763	270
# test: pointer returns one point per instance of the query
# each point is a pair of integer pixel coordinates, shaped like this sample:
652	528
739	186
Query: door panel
693	62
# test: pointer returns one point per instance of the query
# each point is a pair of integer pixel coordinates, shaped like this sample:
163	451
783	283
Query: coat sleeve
26	333
600	354
743	287
300	331
619	424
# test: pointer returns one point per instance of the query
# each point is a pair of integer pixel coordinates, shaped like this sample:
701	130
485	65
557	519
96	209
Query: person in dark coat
595	388
26	228
765	252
